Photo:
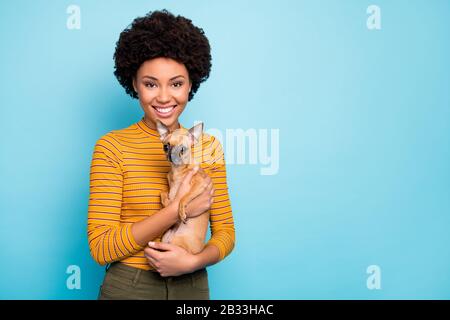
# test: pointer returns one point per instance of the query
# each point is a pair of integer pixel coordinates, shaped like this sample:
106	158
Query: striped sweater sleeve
109	239
221	217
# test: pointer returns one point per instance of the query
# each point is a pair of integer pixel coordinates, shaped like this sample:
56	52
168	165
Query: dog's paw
164	199
182	212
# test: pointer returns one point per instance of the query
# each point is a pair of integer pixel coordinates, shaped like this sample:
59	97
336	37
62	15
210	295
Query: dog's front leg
165	198
195	191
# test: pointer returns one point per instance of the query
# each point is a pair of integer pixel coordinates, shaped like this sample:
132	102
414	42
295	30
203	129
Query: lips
164	112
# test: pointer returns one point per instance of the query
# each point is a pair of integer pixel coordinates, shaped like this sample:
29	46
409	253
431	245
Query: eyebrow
153	78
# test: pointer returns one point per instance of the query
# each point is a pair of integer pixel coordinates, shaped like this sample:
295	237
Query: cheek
146	96
181	96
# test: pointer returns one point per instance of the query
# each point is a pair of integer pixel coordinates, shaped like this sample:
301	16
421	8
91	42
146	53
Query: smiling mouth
164	112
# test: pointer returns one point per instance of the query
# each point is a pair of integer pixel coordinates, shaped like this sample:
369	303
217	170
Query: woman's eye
178	84
150	85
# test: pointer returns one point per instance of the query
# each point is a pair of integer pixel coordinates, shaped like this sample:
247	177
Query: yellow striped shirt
128	172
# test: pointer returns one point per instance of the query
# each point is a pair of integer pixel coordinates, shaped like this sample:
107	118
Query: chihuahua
178	145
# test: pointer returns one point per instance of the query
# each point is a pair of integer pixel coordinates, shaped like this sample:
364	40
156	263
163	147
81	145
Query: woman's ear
134	84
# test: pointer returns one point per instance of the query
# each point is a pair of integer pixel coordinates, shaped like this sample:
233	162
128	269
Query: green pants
124	282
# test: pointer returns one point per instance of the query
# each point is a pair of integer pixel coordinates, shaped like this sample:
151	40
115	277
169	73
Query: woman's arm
221	217
172	260
209	256
109	239
148	229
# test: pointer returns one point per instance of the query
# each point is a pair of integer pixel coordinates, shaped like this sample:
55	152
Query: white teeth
164	110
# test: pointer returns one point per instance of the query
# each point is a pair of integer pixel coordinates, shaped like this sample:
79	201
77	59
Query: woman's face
163	87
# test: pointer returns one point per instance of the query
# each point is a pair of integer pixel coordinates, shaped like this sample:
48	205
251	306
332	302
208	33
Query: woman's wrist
194	264
172	210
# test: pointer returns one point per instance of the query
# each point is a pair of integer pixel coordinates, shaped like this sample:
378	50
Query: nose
163	96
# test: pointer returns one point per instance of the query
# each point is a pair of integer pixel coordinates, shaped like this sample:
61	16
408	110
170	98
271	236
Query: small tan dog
189	234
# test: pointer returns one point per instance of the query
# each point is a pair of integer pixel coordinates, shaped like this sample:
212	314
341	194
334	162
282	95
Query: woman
161	59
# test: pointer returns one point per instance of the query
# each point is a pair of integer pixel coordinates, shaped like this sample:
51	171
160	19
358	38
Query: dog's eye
182	150
166	147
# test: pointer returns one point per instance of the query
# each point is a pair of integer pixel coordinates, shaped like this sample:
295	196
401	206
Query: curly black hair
162	34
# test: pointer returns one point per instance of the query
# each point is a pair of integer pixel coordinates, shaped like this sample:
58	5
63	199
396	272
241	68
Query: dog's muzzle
173	154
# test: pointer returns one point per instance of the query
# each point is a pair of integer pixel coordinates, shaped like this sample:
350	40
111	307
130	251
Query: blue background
364	123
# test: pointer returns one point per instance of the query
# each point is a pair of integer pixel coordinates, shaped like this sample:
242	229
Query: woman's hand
199	204
169	259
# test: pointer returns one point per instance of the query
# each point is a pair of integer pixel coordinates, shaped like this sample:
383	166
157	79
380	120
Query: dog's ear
162	129
196	131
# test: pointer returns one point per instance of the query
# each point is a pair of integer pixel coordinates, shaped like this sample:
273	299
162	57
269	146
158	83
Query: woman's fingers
203	201
151	255
200	204
151	264
151	261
